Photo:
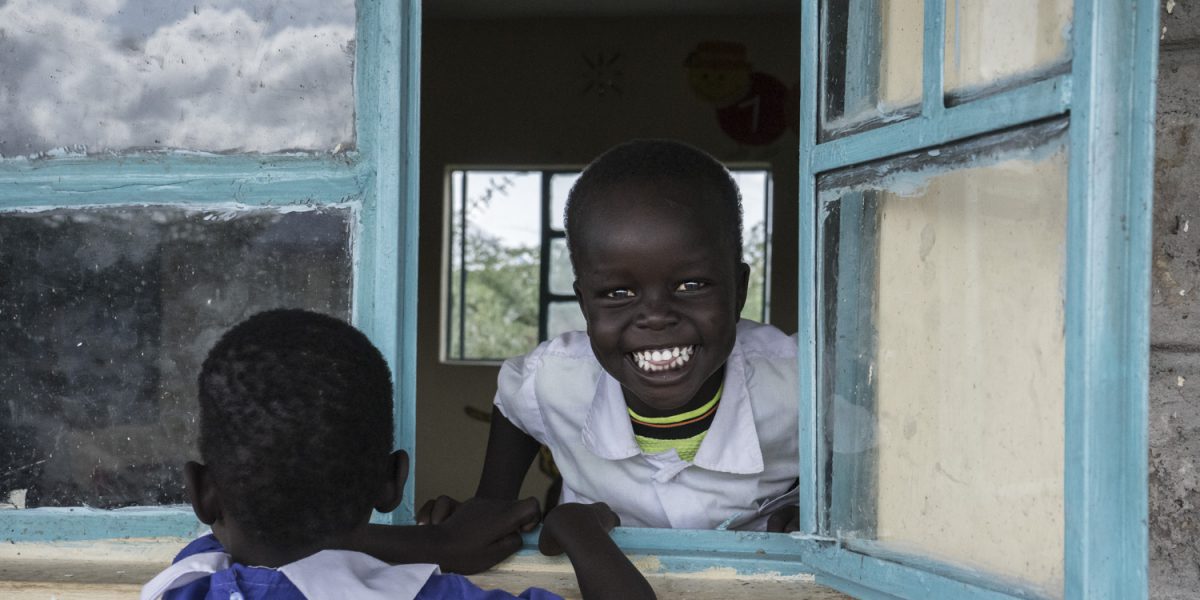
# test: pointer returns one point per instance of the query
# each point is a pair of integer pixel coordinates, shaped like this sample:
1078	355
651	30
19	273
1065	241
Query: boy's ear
579	299
393	486
743	286
201	492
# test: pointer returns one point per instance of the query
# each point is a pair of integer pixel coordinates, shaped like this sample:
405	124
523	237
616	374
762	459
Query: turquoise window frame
380	177
1108	97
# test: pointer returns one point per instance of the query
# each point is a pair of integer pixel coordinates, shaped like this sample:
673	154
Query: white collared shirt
561	396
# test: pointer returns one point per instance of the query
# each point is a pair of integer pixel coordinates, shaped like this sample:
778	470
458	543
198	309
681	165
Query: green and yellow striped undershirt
683	431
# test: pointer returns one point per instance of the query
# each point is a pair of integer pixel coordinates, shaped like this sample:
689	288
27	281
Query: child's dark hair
295	425
649	161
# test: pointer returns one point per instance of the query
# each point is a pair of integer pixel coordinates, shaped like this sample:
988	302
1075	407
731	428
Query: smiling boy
668	409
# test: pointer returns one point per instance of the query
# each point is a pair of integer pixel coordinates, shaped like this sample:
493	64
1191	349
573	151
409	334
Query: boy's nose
657	313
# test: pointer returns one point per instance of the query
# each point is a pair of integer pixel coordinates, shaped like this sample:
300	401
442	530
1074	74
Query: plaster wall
1175	322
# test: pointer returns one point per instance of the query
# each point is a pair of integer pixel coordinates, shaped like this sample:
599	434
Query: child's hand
568	521
785	520
475	537
437	510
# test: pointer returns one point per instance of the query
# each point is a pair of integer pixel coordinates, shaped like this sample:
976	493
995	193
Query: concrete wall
1175	322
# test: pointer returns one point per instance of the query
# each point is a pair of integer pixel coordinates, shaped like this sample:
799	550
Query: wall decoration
752	107
603	74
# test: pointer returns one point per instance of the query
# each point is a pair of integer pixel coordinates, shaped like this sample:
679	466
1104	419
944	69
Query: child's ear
393	485
201	492
579	299
743	286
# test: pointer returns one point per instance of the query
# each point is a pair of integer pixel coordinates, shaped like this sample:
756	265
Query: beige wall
509	92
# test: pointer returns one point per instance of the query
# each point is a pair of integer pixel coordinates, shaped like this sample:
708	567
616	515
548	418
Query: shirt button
236	596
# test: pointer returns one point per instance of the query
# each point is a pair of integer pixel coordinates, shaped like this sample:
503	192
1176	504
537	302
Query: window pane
106	315
562	277
756	206
497	237
871	61
560	186
992	43
216	76
564	317
943	360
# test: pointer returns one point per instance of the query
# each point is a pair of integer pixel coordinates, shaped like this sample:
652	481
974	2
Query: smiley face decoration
751	106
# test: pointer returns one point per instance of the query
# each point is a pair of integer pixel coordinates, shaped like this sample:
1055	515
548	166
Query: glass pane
497	256
560	186
755	187
995	43
943	360
871	60
562	277
564	317
106	315
242	76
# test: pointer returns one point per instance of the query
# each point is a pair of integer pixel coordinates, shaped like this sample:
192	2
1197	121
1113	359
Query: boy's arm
603	571
510	451
478	535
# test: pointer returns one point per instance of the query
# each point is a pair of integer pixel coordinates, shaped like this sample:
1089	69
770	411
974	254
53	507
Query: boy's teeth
663	359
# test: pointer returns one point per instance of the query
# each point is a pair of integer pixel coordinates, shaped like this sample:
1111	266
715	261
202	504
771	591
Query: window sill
110	569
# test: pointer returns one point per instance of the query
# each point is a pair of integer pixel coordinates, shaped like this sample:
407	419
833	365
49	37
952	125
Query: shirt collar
730	446
326	574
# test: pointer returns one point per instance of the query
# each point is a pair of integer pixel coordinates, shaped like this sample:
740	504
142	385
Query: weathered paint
180	179
1108	278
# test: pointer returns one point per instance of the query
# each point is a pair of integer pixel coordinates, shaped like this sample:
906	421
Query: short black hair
295	425
653	160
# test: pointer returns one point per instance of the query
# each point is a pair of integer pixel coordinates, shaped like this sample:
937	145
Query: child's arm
478	535
510	451
603	571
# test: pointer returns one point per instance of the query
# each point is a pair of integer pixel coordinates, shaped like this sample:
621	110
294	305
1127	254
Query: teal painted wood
806	320
1026	104
64	524
385	107
164	179
387	93
862	56
933	54
1108	276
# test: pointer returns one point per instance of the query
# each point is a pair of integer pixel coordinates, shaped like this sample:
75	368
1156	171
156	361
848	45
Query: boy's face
661	291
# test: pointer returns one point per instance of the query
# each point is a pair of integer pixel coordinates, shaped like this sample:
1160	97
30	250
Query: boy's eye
690	286
620	294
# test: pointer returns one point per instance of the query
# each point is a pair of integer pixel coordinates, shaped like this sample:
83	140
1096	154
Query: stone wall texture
1175	321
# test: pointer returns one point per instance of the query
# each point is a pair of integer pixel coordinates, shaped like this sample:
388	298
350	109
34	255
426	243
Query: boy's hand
474	538
784	520
437	510
482	532
569	521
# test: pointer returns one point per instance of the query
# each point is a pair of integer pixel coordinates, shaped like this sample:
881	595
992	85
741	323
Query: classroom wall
1175	321
507	92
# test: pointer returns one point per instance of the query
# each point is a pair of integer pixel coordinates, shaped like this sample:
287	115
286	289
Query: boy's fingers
425	512
608	518
505	547
525	514
443	507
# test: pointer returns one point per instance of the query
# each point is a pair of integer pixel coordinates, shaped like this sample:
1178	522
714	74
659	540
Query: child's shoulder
754	338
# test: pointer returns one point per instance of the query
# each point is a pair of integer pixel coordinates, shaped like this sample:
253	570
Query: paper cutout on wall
751	106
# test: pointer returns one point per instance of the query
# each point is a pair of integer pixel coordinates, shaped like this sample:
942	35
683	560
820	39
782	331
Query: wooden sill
112	569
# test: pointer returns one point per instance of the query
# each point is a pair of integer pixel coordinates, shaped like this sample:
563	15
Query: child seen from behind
296	437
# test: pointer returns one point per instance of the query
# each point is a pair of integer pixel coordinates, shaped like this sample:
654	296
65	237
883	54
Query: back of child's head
657	162
295	425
